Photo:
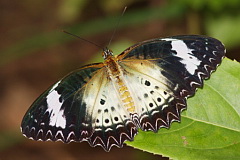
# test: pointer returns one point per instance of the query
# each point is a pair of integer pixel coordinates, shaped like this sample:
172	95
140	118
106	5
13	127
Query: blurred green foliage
219	18
69	10
212	5
111	6
92	27
226	28
216	17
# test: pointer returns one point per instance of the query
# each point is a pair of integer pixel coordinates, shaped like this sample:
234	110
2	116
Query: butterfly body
145	87
115	73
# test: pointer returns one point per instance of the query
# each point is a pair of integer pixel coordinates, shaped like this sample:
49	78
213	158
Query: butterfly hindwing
112	125
155	96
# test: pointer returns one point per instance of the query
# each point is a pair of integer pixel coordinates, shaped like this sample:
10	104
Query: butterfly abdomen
115	73
125	96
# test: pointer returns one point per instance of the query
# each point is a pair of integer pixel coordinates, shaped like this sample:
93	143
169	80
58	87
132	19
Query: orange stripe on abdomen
125	96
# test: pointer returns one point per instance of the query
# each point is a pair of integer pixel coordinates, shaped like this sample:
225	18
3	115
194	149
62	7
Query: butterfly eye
106	53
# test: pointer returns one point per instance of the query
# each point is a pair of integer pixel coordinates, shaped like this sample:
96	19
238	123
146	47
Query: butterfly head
107	53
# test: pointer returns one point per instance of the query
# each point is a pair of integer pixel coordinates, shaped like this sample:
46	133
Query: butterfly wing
167	71
83	106
155	96
113	124
60	112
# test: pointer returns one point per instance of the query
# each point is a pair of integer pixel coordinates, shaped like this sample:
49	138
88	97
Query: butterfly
145	87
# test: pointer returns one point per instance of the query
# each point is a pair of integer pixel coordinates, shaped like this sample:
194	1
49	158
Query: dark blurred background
35	54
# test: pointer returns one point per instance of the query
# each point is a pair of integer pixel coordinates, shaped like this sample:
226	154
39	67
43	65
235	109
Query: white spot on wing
183	52
57	117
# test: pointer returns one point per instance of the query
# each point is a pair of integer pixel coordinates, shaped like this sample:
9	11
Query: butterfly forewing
184	60
60	112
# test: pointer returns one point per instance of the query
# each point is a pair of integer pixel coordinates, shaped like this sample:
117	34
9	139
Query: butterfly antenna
83	39
114	32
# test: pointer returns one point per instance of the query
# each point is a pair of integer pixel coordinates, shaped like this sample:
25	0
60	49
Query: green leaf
210	127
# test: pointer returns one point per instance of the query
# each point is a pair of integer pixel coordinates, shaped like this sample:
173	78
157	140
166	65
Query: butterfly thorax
115	74
112	66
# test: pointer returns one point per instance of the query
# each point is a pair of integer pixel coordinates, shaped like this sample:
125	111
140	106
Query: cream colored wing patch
111	122
155	96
